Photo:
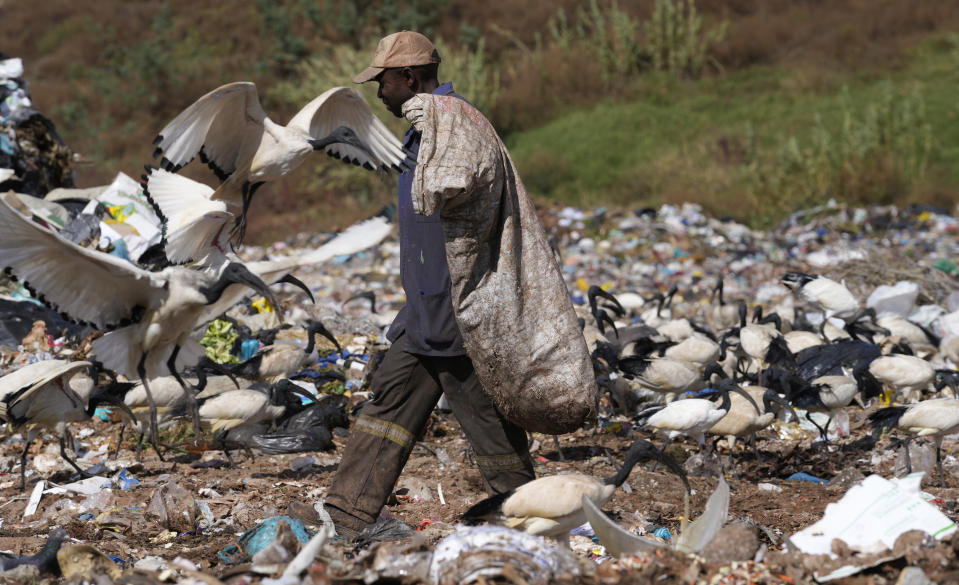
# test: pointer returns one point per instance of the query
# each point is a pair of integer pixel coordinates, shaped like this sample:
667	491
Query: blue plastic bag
259	537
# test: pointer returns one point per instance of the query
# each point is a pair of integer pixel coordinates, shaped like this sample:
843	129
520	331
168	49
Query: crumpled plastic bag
172	507
262	536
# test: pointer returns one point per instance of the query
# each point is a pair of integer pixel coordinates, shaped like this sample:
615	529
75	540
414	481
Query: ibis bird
918	337
692	417
722	315
907	374
833	298
284	358
930	418
743	420
664	375
238	408
798	340
552	505
146	313
245	149
697	349
49	394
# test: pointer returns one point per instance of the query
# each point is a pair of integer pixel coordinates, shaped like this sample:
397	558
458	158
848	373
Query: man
427	356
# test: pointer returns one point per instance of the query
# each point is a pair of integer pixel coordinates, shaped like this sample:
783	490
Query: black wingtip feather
484	509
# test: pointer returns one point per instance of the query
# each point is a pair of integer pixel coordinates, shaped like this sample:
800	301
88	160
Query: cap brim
368	74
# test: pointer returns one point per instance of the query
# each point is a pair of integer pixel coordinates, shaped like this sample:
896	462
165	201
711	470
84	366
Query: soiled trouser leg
406	387
502	452
404	394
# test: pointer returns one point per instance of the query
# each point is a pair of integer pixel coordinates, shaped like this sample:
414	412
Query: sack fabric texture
509	298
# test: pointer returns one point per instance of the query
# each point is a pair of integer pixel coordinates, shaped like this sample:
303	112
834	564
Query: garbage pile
224	477
33	158
785	516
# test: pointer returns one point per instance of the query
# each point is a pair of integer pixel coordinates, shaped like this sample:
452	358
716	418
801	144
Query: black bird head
603	317
238	273
643	450
314	327
796	280
595	291
342	135
368	295
112	395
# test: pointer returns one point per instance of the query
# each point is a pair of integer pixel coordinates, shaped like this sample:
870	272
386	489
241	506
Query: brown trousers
406	388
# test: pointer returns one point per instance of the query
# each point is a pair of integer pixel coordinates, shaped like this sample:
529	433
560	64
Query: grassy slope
666	146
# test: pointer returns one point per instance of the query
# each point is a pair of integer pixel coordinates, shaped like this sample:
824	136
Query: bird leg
123	427
154	424
188	393
559	449
23	463
63	453
905	445
942	477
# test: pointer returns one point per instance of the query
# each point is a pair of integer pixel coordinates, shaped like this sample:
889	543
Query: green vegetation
753	109
756	144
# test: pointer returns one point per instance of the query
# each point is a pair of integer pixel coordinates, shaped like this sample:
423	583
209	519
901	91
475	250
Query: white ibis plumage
552	505
245	148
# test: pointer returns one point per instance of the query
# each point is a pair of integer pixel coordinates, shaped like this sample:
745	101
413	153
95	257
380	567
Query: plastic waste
493	552
800	476
693	538
172	507
85	560
871	515
259	537
898	299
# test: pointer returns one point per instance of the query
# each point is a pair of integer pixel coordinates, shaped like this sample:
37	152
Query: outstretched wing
87	285
216	127
345	106
192	222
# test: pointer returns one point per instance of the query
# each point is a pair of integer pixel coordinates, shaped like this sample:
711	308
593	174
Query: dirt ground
122	524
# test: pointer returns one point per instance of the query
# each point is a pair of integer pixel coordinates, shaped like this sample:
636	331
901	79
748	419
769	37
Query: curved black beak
290	279
313	327
595	291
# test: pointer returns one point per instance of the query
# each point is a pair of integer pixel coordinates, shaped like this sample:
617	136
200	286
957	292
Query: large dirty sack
509	298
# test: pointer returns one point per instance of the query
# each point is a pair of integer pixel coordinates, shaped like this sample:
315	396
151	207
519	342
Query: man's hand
413	111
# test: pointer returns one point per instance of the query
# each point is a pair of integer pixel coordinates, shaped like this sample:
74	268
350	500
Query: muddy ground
120	522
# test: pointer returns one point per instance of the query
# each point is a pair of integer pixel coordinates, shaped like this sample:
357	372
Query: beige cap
402	49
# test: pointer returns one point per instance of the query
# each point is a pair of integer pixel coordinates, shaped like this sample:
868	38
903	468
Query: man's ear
411	80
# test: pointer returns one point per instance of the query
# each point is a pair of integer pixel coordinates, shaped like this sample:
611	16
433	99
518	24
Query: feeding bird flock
687	330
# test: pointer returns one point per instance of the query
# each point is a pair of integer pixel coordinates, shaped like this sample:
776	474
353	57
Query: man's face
396	86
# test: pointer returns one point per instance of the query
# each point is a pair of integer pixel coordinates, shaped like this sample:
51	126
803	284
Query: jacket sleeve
456	154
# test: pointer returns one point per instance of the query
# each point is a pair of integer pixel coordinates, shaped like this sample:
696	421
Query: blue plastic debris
120	249
259	537
85	517
663	533
248	349
800	476
126	481
116	559
103	414
583	530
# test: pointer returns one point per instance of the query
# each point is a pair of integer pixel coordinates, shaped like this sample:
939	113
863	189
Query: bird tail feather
885	419
485	509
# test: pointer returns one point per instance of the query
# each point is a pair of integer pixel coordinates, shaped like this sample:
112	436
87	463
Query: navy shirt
427	317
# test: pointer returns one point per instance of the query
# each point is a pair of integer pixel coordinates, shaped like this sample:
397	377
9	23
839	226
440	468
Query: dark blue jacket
427	316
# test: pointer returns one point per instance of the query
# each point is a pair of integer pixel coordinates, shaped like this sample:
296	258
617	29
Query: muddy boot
348	527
